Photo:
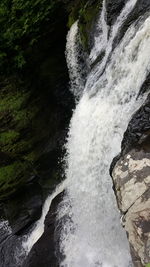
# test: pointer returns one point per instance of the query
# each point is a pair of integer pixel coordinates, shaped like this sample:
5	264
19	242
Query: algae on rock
86	12
35	103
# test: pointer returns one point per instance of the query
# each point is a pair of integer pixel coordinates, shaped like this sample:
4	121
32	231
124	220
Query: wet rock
139	11
35	104
131	178
11	251
24	207
44	252
138	131
146	85
35	109
141	7
113	10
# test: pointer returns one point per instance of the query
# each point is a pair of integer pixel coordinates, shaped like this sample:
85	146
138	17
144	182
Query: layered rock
131	178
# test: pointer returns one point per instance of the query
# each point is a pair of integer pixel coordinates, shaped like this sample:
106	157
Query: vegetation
21	24
8	137
32	71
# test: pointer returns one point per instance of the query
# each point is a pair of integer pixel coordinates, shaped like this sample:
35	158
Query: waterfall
93	236
77	71
98	70
101	35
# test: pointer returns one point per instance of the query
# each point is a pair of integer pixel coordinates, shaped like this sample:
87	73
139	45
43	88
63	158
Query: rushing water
77	71
38	230
93	236
101	35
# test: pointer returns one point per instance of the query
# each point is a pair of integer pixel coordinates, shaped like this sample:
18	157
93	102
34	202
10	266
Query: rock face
35	108
114	8
11	252
44	252
24	207
131	178
35	102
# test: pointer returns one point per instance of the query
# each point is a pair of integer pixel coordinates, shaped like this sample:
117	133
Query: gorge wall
118	54
35	109
35	101
132	184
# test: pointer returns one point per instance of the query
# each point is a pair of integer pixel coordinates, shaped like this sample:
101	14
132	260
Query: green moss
147	265
13	101
24	117
7	172
86	12
16	116
31	157
17	148
12	176
88	15
75	11
29	106
71	20
21	118
8	138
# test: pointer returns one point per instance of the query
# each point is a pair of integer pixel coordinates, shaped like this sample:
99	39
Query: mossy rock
9	137
12	176
26	125
86	12
35	103
87	18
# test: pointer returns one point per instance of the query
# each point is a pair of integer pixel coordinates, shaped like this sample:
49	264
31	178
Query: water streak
74	53
94	237
38	230
98	70
101	35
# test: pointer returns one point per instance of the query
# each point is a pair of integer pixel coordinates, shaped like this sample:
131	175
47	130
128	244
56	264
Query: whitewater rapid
93	236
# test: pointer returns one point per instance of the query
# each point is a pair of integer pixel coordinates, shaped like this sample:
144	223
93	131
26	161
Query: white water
39	226
109	44
94	236
101	36
4	226
73	52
